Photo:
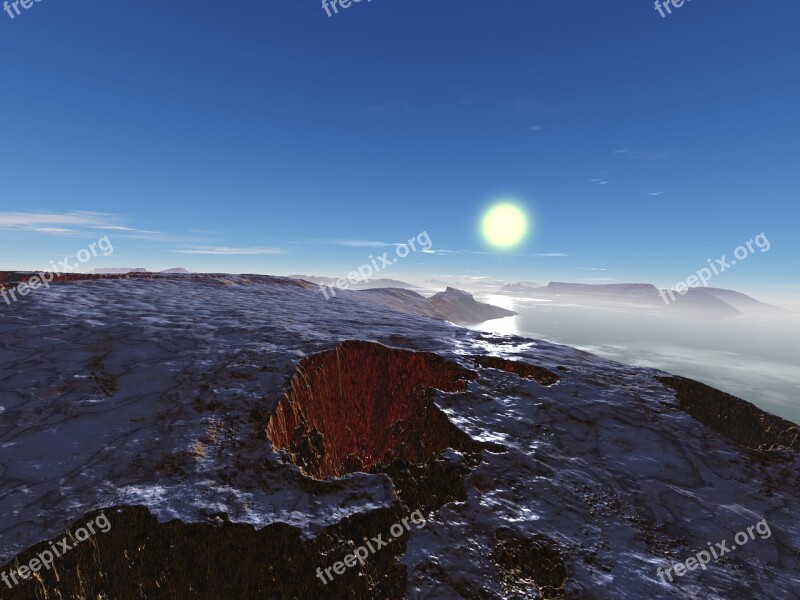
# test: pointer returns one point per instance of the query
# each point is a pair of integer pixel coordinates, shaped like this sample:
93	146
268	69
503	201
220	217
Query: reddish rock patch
363	405
539	374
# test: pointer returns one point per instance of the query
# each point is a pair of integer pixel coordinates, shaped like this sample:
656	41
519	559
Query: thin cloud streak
227	251
352	243
71	223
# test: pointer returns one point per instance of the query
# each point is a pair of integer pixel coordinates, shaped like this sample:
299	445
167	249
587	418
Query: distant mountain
362	285
738	300
521	287
460	307
452	305
709	303
119	270
699	302
607	289
315	279
175	271
383	283
476	285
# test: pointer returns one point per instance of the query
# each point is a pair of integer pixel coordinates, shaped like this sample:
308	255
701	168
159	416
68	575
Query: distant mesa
361	285
119	270
174	271
521	286
701	302
608	289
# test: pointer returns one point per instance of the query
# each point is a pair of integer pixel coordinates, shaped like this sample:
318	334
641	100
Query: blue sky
267	137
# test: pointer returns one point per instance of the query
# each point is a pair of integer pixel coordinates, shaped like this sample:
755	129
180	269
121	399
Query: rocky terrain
241	432
368	284
456	306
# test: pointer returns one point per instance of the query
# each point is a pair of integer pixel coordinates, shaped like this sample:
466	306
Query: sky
267	137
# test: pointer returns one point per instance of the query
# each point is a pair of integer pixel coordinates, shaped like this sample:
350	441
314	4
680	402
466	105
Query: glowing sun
504	225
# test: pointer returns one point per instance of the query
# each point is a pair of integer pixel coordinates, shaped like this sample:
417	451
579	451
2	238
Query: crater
362	406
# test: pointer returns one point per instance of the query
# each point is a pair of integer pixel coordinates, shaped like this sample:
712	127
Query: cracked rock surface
572	477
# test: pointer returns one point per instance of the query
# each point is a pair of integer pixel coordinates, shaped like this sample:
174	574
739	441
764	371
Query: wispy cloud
527	108
652	193
352	243
597	181
55	230
658	155
227	251
591	269
69	223
204	231
451	252
361	243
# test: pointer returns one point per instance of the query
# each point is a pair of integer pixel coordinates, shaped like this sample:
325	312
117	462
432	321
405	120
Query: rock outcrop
460	307
363	404
520	368
736	419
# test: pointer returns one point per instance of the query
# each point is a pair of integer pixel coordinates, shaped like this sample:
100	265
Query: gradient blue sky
278	139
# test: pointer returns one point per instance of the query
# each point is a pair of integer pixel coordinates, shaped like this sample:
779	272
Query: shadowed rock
138	557
736	419
531	564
